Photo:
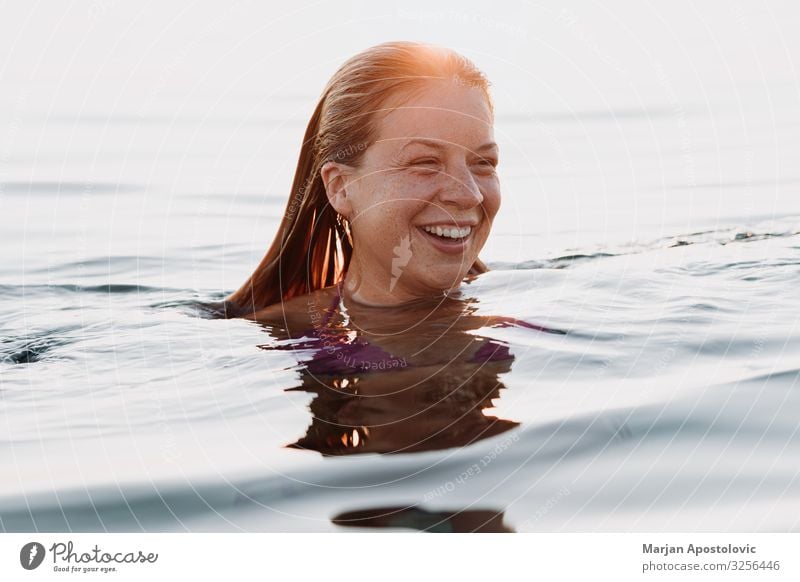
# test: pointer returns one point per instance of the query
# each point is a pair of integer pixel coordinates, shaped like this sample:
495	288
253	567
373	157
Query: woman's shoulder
300	312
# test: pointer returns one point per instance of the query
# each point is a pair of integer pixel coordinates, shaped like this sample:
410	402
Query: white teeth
449	232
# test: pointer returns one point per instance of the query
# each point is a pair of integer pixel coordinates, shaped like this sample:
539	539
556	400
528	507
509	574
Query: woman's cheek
419	184
491	196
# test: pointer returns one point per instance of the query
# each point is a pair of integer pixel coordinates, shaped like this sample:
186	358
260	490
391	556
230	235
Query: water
658	227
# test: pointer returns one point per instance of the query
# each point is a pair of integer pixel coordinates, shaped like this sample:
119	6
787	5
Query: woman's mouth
448	239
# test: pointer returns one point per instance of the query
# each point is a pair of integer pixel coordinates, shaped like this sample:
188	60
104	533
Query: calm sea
651	212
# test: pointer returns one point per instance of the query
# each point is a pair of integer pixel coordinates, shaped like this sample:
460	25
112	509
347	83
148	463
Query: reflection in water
402	411
468	521
417	379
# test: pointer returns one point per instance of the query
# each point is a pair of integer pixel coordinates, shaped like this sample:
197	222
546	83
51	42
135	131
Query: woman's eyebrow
440	144
428	142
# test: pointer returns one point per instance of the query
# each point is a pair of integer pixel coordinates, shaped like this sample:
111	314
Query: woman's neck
362	291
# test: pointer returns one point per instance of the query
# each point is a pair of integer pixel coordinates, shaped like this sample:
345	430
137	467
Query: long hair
313	245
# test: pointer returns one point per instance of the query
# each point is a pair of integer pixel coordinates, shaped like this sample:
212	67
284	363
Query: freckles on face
427	189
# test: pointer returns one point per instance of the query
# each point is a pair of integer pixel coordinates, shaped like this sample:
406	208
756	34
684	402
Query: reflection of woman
414	378
410	410
395	189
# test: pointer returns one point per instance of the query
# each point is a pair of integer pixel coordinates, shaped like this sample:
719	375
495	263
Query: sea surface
651	218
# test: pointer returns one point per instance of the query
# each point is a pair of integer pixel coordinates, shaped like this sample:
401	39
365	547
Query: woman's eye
486	164
425	166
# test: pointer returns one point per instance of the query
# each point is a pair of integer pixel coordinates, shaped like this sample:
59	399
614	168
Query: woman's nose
461	189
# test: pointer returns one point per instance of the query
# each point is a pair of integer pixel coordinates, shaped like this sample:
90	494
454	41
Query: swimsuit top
342	354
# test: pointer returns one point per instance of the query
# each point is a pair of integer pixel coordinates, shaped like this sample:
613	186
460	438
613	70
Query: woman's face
422	200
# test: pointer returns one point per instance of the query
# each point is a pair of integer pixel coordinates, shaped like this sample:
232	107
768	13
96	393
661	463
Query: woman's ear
335	177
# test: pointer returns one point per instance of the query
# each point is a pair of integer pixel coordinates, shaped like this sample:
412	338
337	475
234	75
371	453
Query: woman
395	190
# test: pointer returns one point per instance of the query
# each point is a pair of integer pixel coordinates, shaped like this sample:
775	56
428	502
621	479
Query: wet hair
313	245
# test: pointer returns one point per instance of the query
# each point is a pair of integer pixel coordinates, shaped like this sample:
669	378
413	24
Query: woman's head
400	140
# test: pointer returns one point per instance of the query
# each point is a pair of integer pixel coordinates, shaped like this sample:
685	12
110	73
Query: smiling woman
395	190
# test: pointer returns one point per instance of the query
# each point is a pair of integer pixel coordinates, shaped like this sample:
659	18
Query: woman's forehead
443	112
